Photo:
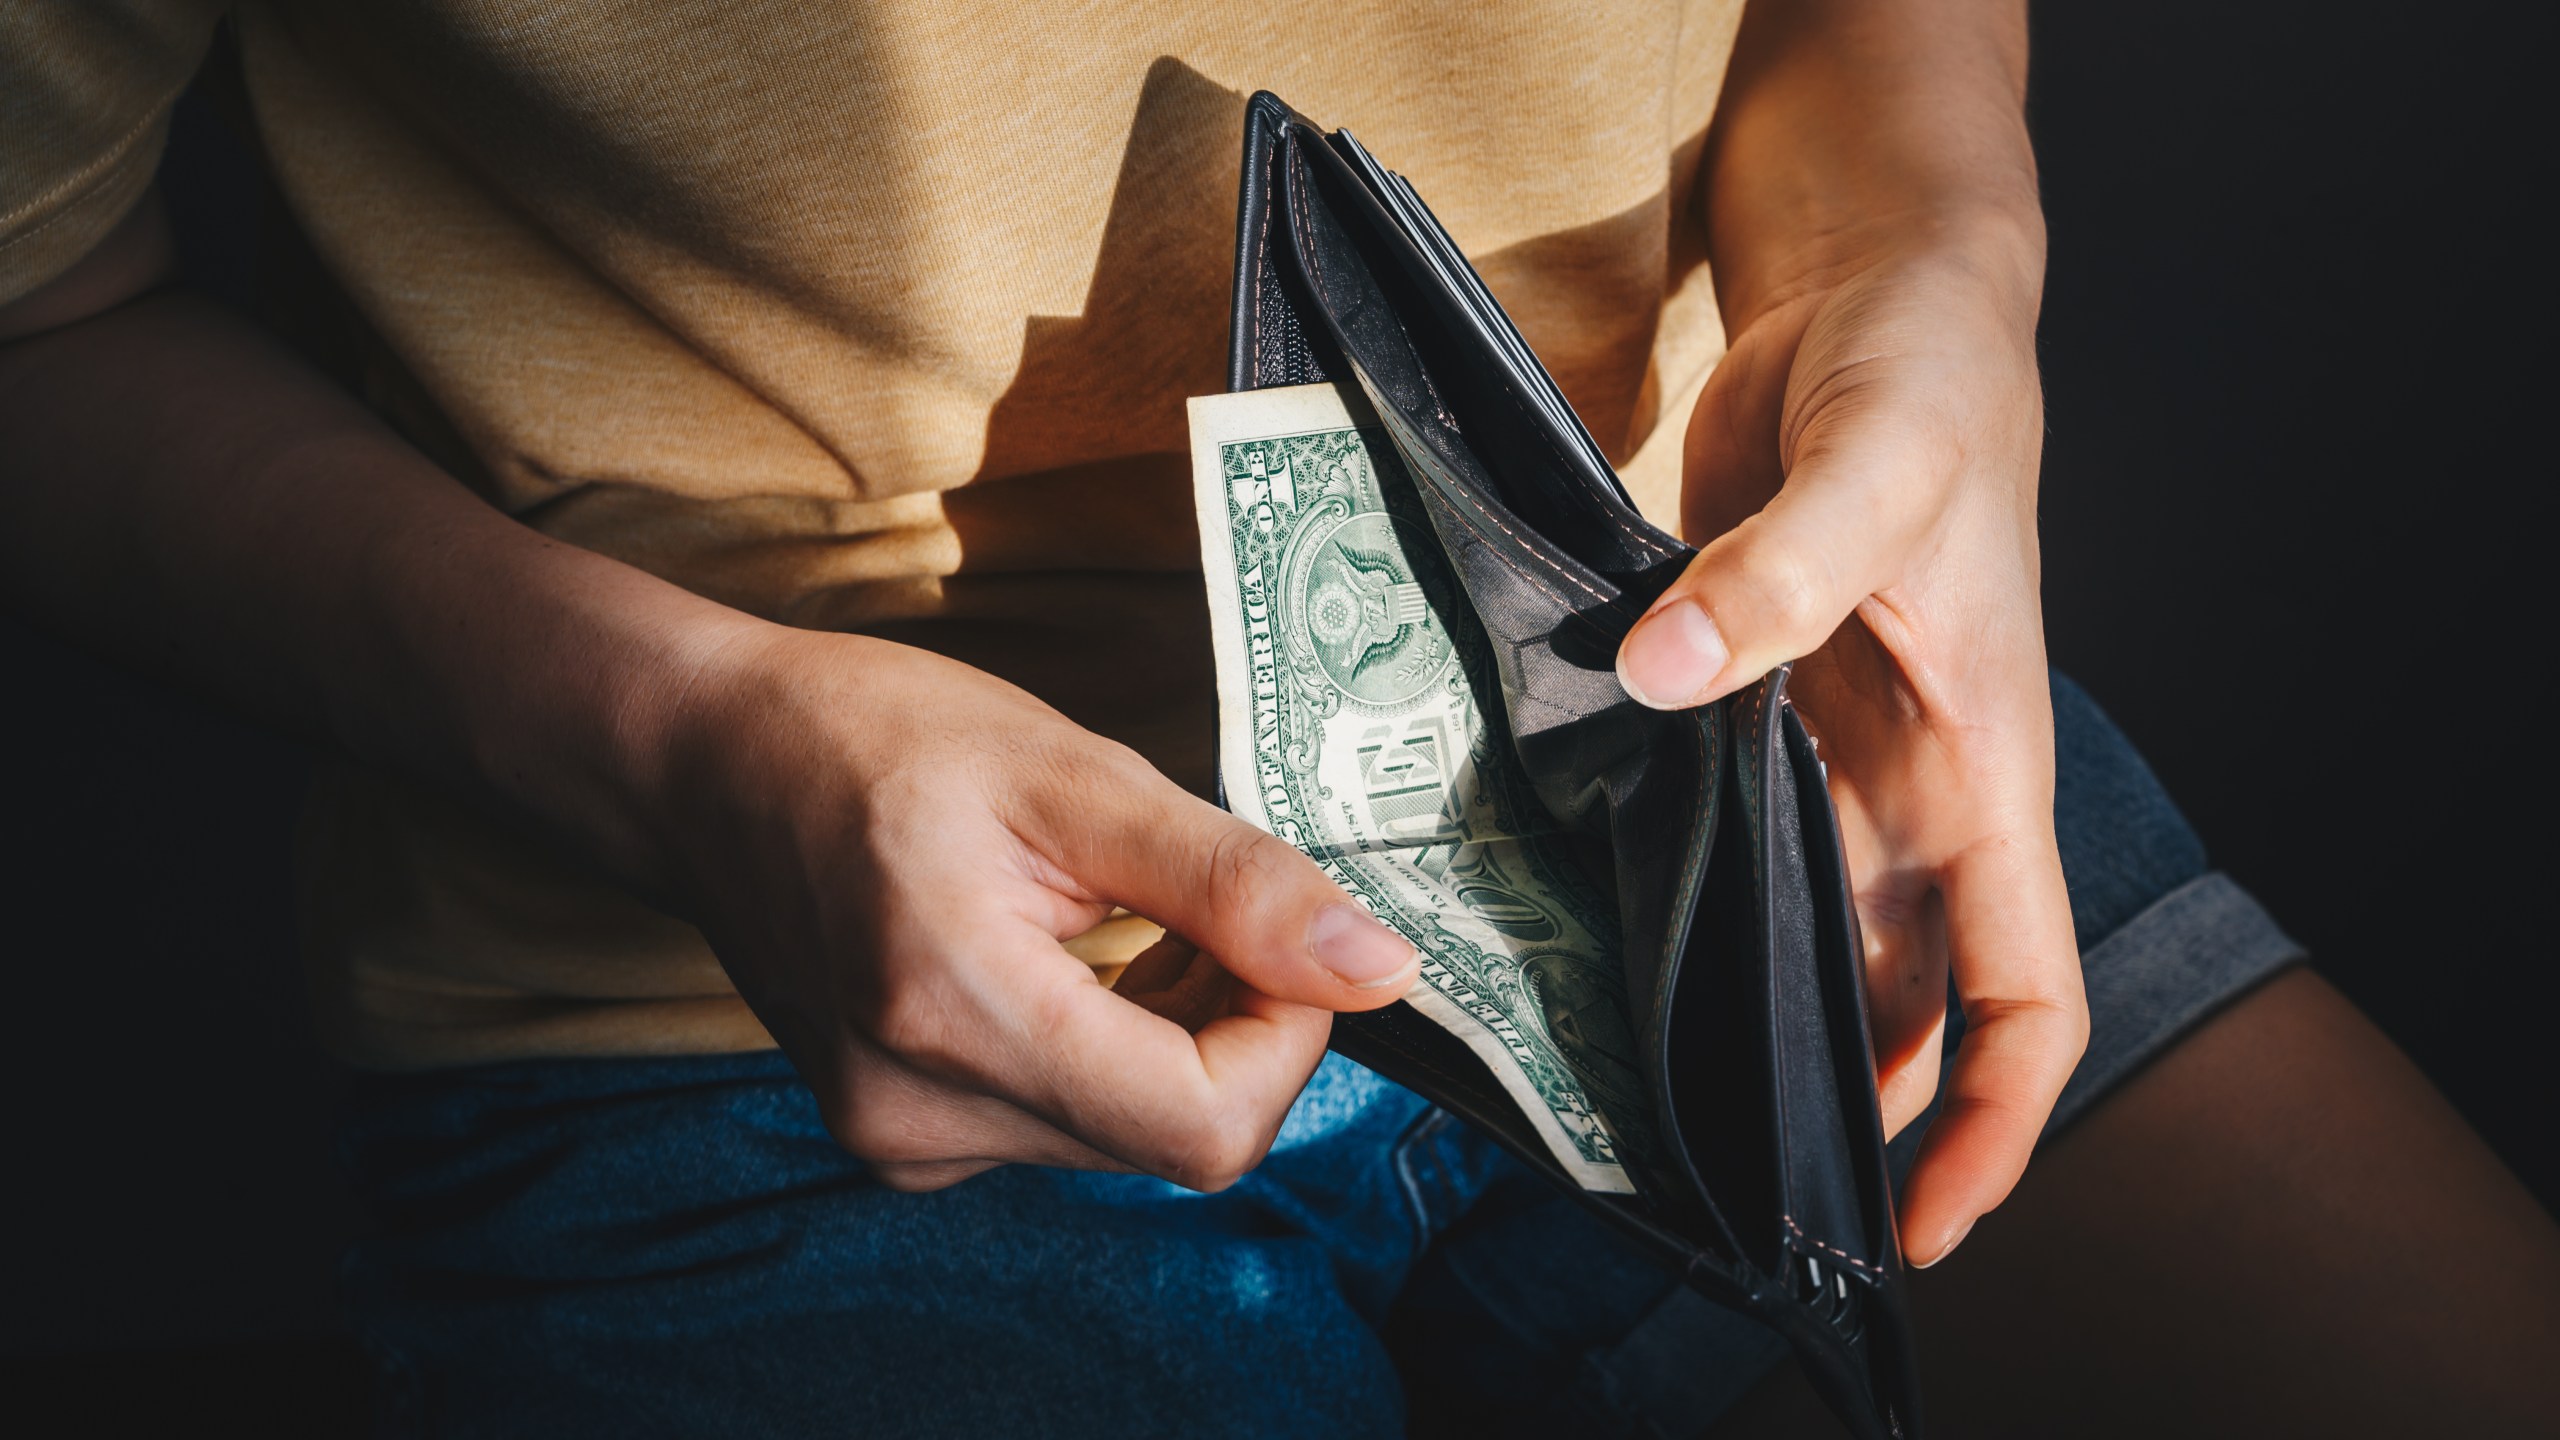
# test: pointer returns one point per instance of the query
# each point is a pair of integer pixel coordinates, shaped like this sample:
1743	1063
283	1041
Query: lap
677	1246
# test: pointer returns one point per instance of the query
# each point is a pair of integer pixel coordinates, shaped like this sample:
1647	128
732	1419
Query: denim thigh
677	1247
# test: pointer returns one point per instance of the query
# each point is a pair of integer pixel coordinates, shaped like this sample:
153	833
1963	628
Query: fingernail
1350	942
1674	654
1967	1229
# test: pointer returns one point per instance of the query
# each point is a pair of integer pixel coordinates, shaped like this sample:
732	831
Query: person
727	517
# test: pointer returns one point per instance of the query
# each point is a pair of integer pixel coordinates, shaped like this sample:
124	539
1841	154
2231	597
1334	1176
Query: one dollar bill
1356	721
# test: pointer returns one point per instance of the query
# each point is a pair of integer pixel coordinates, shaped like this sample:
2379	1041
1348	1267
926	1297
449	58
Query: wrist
661	735
750	721
1990	247
1850	130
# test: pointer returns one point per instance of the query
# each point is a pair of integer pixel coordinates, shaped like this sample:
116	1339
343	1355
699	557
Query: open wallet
1764	1181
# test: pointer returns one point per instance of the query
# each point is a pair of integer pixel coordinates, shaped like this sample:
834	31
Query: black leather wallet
1769	1191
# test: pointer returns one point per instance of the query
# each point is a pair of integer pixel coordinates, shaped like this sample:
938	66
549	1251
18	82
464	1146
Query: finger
1906	997
932	1175
1901	928
1199	1110
2017	973
1266	912
1731	467
1904	1089
894	1118
1160	967
1902	922
1774	587
1178	981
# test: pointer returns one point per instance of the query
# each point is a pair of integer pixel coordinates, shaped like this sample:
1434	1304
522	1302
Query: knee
2124	841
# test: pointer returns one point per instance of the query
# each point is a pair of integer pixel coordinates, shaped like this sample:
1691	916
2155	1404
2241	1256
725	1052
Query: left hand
1862	473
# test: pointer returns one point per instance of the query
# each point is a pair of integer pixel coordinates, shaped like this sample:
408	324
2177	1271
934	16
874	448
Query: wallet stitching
1463	492
1836	1252
1315	266
1261	265
1515	567
1755	811
1554	451
1510	560
1606	509
1449	483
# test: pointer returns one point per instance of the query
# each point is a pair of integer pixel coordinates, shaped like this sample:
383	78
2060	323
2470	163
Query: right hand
886	848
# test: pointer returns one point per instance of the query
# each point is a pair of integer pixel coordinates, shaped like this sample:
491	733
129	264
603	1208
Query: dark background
2294	315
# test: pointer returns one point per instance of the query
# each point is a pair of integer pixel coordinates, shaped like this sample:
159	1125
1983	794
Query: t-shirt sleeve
86	87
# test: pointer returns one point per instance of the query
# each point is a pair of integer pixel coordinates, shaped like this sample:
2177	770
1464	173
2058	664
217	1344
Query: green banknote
1358	722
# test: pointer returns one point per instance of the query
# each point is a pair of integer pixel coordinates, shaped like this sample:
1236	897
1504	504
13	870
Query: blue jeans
676	1247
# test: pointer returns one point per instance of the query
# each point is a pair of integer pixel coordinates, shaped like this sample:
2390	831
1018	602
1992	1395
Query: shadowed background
2293	313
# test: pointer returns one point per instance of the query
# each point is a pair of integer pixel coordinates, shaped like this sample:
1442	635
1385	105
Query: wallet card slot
1840	969
1819	1190
1627	545
1524	469
1757	1070
1493	328
1885	1347
1718	1090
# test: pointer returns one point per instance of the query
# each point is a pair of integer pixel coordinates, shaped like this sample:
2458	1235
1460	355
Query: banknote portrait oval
1512	914
1365	614
1588	1022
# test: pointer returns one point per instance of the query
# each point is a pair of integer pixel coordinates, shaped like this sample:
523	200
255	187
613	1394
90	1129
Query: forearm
1846	123
177	490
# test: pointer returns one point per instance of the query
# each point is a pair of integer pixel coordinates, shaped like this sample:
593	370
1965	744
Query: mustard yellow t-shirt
856	315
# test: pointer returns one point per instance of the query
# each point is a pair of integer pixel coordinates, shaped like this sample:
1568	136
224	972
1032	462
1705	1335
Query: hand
1862	472
886	847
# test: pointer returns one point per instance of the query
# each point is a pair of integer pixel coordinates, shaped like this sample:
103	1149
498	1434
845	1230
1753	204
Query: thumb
1264	911
1773	588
